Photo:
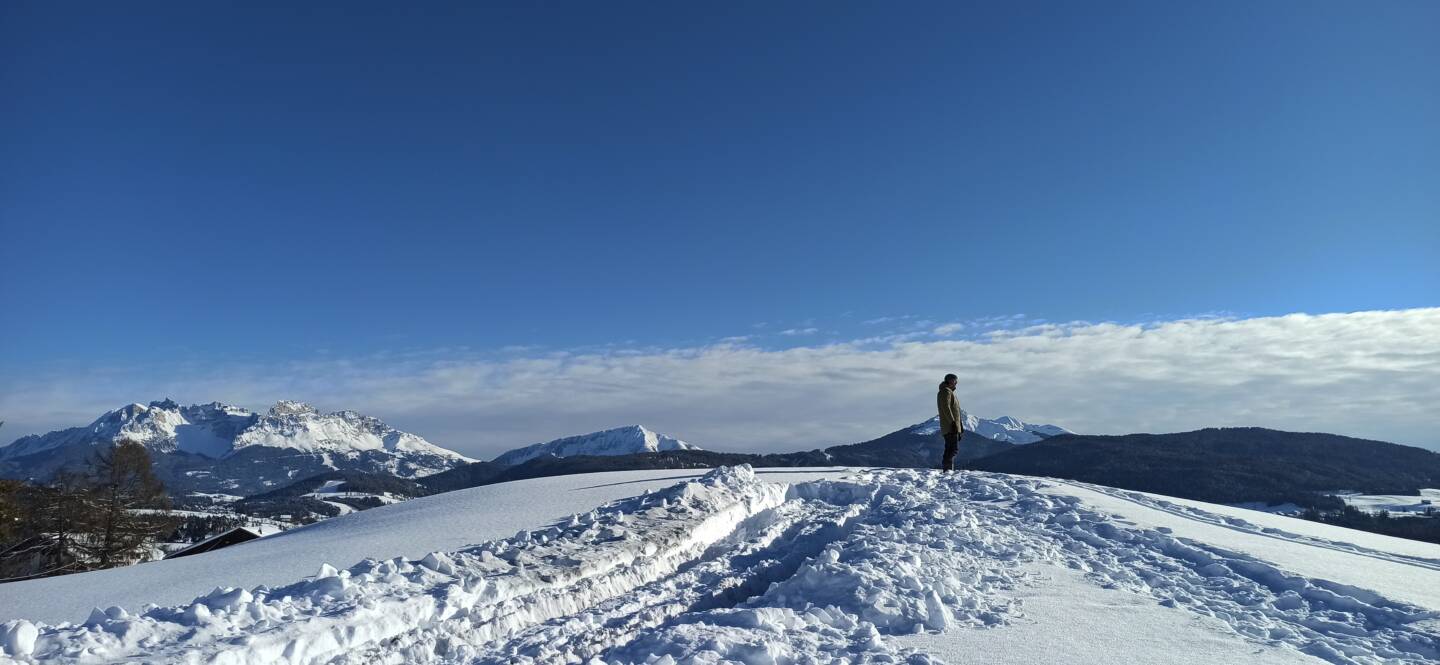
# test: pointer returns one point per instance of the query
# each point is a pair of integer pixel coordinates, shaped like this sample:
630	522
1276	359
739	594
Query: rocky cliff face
225	449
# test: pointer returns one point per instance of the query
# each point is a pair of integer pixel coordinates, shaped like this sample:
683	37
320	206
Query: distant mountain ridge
634	439
220	448
618	441
1004	428
1230	465
913	446
1227	465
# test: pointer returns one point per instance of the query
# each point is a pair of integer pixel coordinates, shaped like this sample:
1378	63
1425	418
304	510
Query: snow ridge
728	567
1004	428
619	441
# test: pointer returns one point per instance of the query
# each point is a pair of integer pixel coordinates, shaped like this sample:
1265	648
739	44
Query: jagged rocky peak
122	414
291	430
287	407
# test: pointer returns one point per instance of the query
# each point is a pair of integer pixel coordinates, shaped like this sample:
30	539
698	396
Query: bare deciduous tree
122	485
56	519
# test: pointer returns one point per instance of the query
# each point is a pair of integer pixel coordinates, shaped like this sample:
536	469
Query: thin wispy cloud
1369	374
948	329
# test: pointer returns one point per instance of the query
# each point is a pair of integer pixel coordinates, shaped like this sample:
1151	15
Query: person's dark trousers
952	446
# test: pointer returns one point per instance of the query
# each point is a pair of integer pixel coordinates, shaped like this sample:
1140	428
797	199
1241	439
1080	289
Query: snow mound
728	568
1004	428
618	441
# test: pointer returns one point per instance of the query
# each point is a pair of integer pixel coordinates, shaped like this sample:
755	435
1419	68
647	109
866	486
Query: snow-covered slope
878	566
219	447
618	441
1004	428
299	426
412	529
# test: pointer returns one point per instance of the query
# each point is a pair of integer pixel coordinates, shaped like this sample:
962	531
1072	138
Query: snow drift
729	568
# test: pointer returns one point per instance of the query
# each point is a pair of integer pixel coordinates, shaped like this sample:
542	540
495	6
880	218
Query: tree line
1424	526
111	512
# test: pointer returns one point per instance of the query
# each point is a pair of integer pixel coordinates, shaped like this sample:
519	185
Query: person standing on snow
950	426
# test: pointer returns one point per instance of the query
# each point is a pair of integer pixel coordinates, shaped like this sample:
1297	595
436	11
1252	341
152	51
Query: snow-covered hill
1004	428
222	448
618	441
867	566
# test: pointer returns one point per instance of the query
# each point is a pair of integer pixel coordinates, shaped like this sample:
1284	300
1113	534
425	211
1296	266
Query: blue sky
187	188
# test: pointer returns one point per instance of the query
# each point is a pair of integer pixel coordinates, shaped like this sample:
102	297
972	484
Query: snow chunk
17	638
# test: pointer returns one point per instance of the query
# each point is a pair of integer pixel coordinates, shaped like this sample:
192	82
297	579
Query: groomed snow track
729	568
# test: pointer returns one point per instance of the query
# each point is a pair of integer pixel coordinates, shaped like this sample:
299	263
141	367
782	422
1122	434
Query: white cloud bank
1367	374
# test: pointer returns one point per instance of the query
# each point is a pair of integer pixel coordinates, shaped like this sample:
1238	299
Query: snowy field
1398	504
330	492
788	567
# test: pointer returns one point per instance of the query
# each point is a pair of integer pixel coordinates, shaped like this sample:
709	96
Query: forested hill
1226	465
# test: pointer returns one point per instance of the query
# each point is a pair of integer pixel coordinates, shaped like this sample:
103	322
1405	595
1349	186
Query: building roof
233	536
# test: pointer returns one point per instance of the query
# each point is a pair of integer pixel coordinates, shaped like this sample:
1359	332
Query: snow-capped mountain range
222	448
1004	428
637	439
619	441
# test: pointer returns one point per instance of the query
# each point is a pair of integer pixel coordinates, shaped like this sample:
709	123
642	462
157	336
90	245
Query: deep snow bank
411	529
731	568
